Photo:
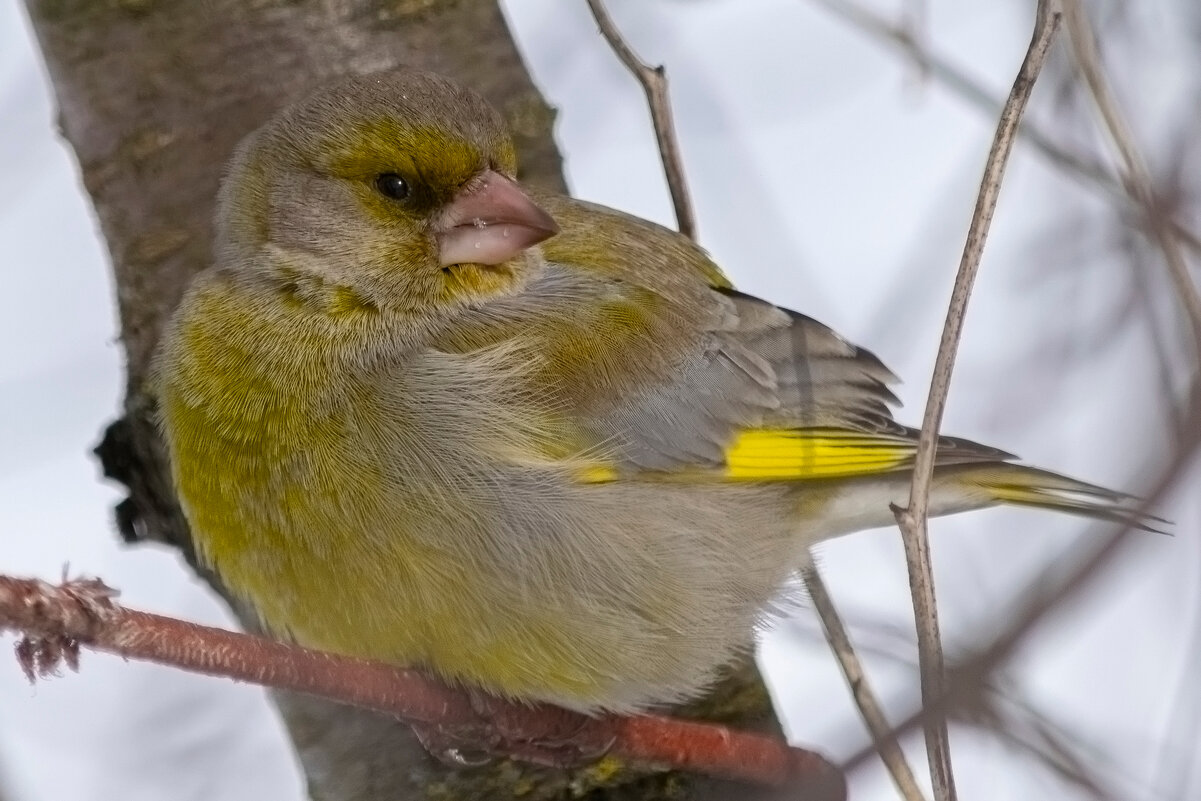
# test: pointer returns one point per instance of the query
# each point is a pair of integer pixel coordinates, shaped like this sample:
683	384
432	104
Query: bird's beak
490	221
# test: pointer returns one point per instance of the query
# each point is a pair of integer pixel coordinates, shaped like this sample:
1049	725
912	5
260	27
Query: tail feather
835	506
1020	485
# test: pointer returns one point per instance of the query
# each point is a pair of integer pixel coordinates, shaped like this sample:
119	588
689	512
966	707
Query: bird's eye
392	185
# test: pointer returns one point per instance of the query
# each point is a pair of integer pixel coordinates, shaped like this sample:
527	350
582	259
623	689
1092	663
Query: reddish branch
56	621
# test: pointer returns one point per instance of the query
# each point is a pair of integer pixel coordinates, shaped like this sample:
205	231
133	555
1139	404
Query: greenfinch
418	413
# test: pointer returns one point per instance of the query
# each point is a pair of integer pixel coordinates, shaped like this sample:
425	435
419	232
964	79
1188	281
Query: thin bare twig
654	84
1051	591
957	80
913	519
915	19
57	620
1135	175
865	699
1027	728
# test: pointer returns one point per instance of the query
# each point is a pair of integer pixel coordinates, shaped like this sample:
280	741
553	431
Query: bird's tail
1020	485
848	480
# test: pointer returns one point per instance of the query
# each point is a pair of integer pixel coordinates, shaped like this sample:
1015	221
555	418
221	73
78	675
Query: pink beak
490	221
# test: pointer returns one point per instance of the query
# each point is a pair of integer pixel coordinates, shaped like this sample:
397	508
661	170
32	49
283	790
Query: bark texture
153	95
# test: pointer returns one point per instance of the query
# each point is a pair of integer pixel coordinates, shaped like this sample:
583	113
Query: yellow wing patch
596	474
785	454
778	454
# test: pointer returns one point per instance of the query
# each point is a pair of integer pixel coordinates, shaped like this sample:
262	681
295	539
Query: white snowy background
828	176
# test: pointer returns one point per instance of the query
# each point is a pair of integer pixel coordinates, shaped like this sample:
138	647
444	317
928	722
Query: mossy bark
153	96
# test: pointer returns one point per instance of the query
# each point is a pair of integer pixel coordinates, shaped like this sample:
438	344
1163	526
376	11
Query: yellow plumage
798	454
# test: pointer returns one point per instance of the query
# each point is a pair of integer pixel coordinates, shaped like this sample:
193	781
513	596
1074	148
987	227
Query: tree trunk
153	96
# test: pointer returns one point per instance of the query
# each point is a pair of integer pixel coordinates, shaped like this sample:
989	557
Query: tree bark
153	95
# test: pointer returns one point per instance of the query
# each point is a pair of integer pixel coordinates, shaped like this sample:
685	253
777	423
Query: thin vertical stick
870	709
912	520
654	83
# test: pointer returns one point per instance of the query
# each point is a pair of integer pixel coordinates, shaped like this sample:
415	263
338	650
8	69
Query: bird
418	412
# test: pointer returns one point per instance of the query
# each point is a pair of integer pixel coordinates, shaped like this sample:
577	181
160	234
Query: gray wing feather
821	380
727	362
758	365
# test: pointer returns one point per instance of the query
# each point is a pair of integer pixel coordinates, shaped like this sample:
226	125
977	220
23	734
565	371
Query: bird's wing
645	364
764	393
659	365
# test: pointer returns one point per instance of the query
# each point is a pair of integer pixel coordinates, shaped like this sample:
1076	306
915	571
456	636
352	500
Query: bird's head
396	188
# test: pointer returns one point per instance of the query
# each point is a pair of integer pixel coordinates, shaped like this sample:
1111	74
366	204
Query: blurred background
832	172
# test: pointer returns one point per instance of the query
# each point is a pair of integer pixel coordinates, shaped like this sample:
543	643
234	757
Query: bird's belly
605	596
350	572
